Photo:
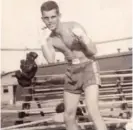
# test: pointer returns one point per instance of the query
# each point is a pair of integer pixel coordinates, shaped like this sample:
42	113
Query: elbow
50	61
92	48
94	51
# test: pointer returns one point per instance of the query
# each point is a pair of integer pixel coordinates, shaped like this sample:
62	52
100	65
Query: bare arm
86	42
48	50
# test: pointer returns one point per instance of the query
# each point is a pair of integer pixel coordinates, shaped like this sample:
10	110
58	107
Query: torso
68	44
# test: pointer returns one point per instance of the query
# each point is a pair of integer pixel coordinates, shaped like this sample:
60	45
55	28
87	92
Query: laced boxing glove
28	69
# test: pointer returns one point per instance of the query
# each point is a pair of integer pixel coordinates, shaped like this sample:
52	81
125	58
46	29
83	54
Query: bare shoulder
51	42
74	25
71	23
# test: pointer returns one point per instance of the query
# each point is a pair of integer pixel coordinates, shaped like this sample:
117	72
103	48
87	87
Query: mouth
51	26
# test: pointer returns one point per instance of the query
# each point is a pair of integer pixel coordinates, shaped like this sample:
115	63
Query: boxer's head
50	14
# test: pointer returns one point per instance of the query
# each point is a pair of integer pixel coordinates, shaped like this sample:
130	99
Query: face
51	19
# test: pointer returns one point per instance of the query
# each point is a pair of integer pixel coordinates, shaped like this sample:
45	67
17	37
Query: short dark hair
49	5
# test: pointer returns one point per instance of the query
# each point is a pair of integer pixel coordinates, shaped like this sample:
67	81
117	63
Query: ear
60	15
42	18
44	23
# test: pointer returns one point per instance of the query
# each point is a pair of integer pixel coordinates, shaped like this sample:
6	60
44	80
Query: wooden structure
115	101
121	61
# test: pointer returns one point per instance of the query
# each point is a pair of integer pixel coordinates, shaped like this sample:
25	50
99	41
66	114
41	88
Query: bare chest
66	42
59	45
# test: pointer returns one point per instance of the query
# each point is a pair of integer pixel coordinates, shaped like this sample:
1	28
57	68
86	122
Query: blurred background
107	22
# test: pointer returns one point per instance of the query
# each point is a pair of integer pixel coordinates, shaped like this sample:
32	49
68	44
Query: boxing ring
117	95
115	101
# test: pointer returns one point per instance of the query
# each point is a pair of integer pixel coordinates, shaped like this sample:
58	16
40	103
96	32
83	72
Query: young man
82	74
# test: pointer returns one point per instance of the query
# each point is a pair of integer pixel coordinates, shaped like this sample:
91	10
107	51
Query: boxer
82	73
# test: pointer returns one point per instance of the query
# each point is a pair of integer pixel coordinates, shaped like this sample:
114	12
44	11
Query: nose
50	20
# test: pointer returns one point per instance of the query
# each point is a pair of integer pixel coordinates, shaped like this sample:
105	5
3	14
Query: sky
102	19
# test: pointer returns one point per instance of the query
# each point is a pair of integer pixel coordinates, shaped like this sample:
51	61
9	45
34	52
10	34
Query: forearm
48	55
47	47
89	47
85	41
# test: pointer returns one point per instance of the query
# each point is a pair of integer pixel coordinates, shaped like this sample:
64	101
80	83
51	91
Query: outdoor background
103	20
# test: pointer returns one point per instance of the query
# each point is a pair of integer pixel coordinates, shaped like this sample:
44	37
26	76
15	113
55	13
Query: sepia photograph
66	65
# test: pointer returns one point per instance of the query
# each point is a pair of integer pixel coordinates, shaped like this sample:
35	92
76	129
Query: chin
52	29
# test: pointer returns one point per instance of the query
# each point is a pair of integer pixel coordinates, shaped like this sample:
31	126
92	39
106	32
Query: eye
53	17
45	18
